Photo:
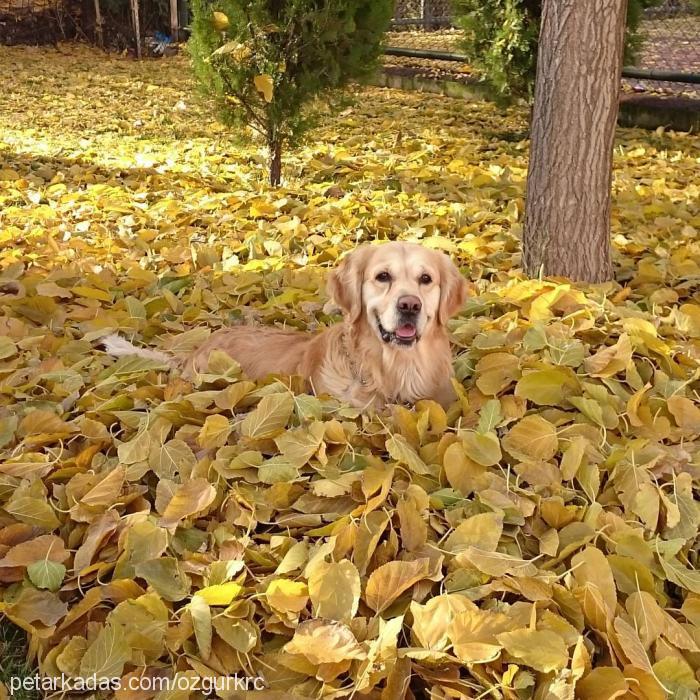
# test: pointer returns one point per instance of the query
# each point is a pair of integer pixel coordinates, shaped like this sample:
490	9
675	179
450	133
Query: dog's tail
117	346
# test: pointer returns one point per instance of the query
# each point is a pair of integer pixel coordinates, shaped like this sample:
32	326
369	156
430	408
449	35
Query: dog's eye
425	279
383	277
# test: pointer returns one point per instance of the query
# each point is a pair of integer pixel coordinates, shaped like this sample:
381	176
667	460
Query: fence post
137	26
174	24
98	24
427	14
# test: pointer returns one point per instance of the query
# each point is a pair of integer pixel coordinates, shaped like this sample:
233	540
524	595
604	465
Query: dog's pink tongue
408	330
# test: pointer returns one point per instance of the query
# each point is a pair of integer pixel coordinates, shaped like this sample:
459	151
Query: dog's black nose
409	304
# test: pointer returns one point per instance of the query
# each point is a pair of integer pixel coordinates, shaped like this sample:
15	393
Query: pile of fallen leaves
538	539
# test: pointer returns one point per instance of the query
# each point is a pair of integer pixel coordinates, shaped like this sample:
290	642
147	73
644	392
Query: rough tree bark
579	64
275	147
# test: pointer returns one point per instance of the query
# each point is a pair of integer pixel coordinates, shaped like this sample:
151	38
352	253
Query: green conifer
266	61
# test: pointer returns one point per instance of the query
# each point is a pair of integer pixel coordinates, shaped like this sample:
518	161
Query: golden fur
354	361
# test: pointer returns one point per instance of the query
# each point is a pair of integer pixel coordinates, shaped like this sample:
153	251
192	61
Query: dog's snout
409	304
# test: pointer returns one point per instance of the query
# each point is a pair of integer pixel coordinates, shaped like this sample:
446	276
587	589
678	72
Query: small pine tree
500	39
266	61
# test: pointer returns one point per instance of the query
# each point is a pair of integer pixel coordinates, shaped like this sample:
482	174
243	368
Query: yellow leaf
286	595
32	511
533	437
463	473
8	174
220	21
686	414
633	404
602	683
402	452
644	683
335	590
591	568
214	432
136	449
495	563
44	422
201	621
91	293
631	645
677	676
543	650
610	360
269	417
190	498
573	457
167	577
482	531
323	642
688	319
431	622
47	547
220	594
300	445
546	387
389	581
483	448
474	634
106	656
264	84
496	371
414	529
107	490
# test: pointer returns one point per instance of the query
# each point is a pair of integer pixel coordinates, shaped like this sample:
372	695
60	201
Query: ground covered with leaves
538	539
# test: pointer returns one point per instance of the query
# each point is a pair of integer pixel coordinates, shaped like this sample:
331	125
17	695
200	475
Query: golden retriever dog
392	346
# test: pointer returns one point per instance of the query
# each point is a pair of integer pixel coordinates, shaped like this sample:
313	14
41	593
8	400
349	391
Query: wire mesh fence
671	34
670	41
426	14
31	21
26	7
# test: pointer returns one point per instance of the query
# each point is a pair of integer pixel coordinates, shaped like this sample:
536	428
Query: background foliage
265	61
500	39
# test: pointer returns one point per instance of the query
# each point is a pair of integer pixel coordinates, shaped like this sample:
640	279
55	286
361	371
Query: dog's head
401	290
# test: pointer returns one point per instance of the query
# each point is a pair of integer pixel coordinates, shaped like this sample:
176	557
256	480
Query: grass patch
13	659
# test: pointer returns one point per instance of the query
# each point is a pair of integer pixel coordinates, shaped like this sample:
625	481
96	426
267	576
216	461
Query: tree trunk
98	24
174	24
137	26
579	64
275	163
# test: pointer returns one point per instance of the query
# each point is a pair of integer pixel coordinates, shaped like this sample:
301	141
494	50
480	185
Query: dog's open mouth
405	333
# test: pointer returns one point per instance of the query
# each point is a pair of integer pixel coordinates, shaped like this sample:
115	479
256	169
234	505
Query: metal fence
670	48
424	14
671	34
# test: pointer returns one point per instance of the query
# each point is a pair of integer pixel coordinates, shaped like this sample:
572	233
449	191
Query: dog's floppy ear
453	289
345	282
